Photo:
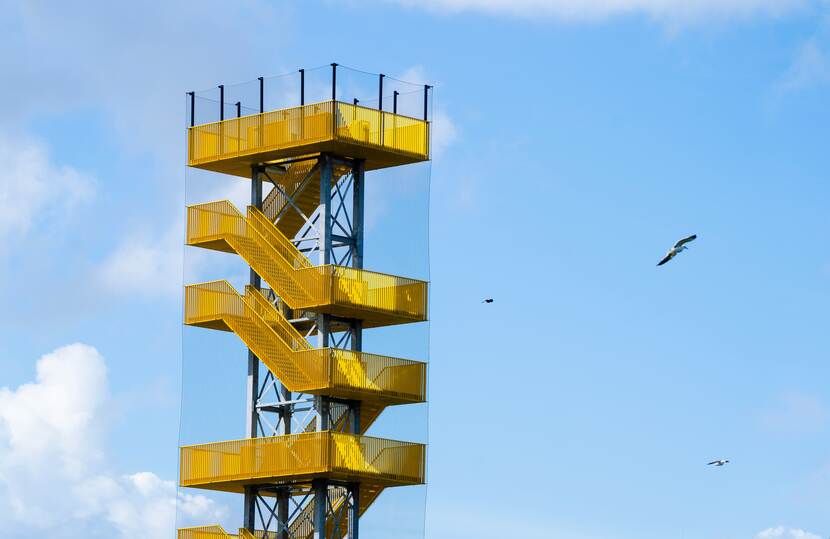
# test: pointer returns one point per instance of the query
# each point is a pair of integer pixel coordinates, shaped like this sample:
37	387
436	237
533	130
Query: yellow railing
277	260
306	125
228	465
290	357
205	532
217	532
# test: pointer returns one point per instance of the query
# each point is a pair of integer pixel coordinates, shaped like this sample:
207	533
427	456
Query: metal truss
334	232
322	510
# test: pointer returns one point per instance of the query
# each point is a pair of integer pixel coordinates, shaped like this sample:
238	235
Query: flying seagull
488	300
678	247
718	463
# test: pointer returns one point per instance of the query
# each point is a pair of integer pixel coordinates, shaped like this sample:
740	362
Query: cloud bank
600	9
782	532
54	478
33	187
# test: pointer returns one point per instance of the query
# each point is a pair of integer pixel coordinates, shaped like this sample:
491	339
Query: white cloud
53	472
135	73
444	130
785	533
810	66
600	9
145	263
33	188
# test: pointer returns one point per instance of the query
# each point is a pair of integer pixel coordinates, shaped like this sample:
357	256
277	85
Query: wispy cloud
810	66
145	263
602	9
53	478
782	532
34	189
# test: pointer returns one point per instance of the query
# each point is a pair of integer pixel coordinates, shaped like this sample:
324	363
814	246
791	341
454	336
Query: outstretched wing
666	259
684	241
713	462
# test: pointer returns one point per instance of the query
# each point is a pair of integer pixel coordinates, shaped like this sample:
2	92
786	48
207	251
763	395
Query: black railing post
221	102
302	87
356	101
238	109
334	99
334	82
395	102
380	91
426	101
192	108
261	94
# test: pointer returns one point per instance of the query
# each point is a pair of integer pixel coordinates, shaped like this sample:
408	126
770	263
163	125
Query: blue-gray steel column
251	415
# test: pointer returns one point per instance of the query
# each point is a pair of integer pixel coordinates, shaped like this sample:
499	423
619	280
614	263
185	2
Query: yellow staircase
377	381
376	298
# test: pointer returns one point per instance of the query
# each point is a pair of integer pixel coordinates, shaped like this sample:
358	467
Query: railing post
380	106
221	102
221	126
302	87
334	82
395	119
426	101
192	108
238	109
261	94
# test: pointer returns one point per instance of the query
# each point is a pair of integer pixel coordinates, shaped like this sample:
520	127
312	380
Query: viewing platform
383	139
300	458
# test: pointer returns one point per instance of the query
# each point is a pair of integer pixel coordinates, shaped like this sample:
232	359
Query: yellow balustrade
382	138
229	466
286	353
377	298
205	532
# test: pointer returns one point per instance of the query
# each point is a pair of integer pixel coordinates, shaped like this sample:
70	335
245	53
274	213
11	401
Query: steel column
354	511
320	505
283	499
252	414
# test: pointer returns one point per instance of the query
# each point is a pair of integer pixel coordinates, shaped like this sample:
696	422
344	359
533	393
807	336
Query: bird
488	300
718	463
678	247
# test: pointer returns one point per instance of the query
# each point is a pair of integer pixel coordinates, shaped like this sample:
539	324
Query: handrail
308	124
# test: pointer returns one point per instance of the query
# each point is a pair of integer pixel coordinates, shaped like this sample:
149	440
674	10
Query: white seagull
718	463
678	247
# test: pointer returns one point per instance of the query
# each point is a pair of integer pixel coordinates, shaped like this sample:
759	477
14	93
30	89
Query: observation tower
306	468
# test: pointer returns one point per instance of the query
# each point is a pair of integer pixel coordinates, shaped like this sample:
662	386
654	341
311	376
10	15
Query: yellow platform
301	458
383	139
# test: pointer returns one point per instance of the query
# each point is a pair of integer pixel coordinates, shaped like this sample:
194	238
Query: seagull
718	463
678	247
488	300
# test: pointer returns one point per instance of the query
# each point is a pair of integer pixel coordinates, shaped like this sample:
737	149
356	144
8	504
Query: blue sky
578	140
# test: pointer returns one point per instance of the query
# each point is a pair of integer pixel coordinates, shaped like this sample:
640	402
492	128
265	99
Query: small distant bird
718	463
488	300
678	247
